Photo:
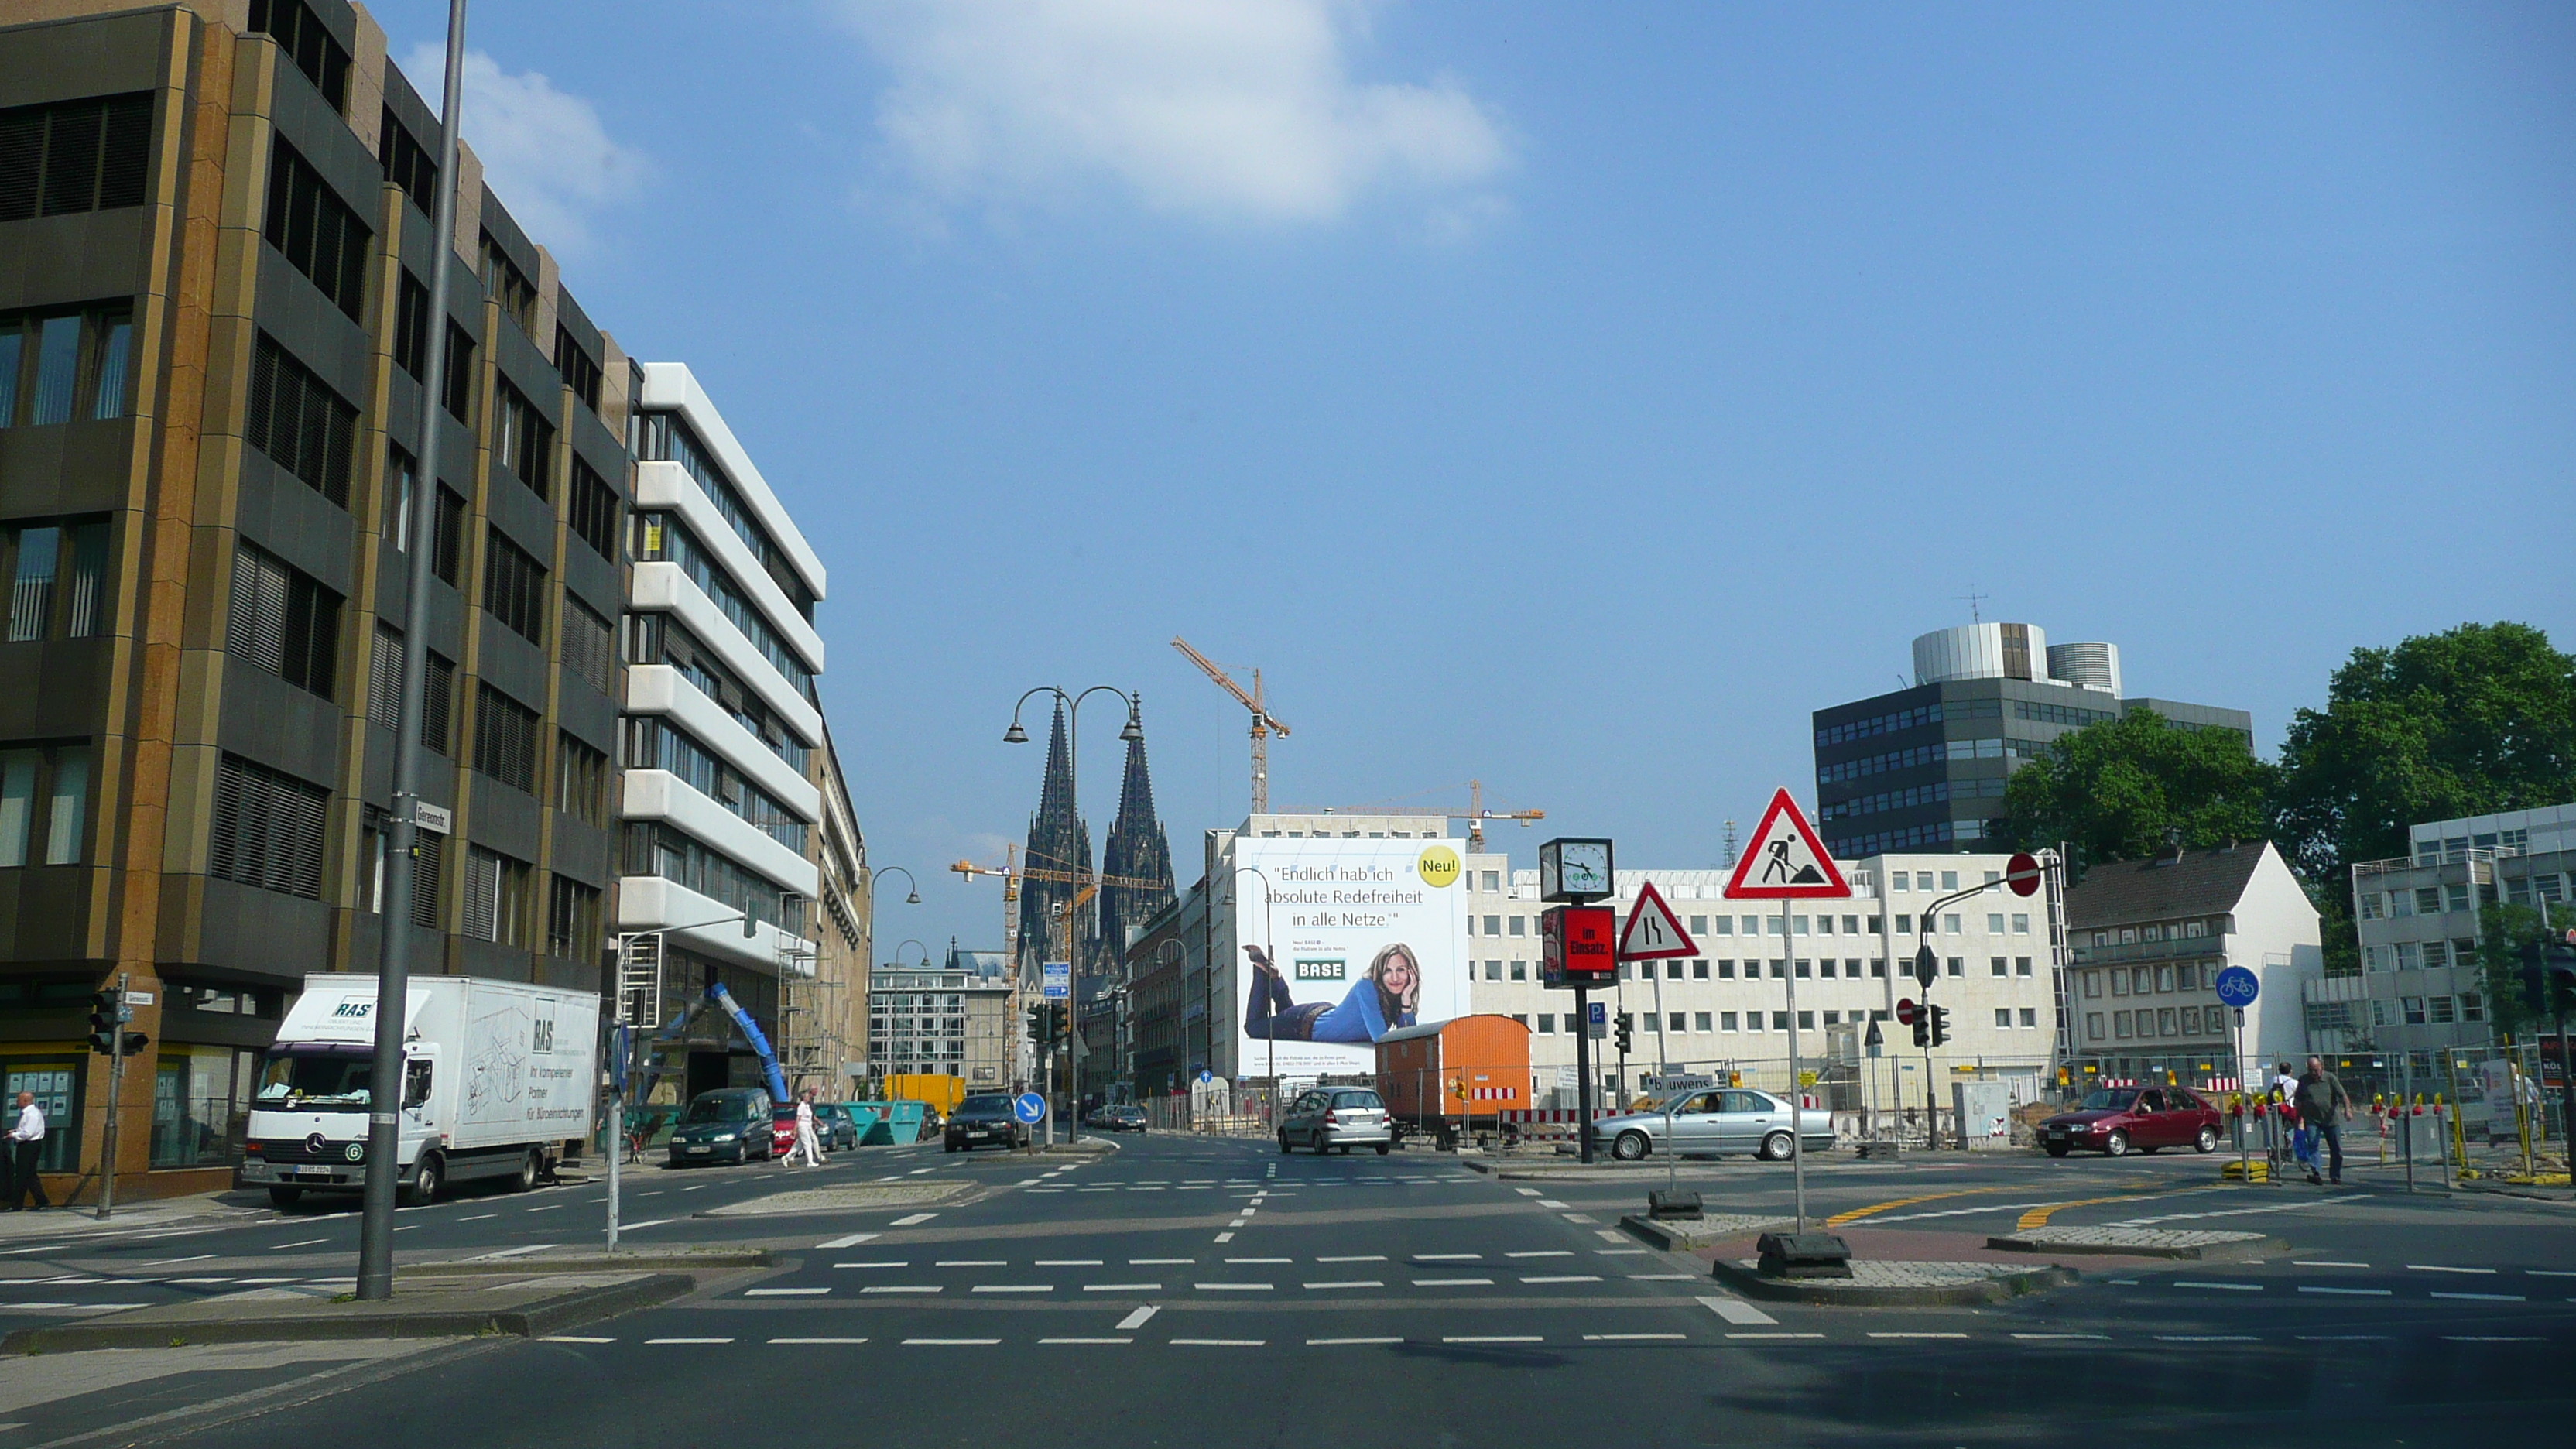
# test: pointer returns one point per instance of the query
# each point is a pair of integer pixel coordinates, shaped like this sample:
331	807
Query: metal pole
617	1115
393	968
115	1083
1797	1097
2244	1124
1583	1074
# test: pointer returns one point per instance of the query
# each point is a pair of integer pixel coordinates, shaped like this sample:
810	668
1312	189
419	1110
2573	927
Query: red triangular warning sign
1653	931
1784	861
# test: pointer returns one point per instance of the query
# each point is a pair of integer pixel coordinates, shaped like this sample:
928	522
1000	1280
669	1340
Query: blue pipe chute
751	1033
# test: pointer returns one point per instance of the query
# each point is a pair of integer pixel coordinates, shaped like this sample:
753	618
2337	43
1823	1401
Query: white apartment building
2149	939
720	721
2420	918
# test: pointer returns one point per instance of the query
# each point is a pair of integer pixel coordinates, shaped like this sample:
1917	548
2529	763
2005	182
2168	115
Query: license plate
2057	1134
701	1150
313	1172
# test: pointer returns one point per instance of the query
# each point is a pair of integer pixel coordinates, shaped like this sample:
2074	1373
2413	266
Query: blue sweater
1358	1018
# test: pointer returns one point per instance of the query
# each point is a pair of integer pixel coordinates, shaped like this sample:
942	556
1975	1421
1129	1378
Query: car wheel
427	1177
2116	1145
1630	1146
948	1146
1346	1149
2206	1142
1283	1142
2057	1150
1383	1148
1775	1148
531	1168
282	1198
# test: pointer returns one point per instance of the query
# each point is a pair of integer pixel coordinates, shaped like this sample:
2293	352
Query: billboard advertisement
1343	941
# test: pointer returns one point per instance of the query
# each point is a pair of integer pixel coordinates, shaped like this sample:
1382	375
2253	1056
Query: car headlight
723	1137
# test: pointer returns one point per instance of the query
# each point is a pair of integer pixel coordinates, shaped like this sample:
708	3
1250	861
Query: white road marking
1545	1253
1218	1342
2550	1272
647	1223
1918	1335
784	1292
2206	1338
972	1263
1775	1335
1261	1260
1122	1287
1635	1337
1068	1262
817	1340
871	1265
2323	1263
2491	1338
1086	1340
1453	1282
902	1288
852	1241
1492	1338
1232	1287
1615	1236
1157	1262
2352	1292
1344	1342
2227	1287
656	1342
2411	1267
2342	1338
1353	1283
1663	1277
573	1338
1355	1258
914	1220
1549	1202
2484	1297
164	1262
556	1207
309	1242
1566	1278
1014	1288
2050	1336
1136	1320
1527	1191
1736	1310
1225	1237
1446	1257
952	1342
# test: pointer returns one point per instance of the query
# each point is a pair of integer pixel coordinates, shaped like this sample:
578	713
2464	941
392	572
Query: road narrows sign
1784	861
1653	931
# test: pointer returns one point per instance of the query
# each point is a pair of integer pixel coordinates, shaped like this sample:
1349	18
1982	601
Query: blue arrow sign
2238	987
1029	1108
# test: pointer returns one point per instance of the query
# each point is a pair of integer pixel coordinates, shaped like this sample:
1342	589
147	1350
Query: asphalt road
1183	1291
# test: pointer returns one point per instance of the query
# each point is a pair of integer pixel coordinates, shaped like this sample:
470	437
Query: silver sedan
1716	1121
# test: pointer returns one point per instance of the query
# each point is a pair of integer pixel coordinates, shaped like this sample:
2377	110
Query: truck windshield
315	1084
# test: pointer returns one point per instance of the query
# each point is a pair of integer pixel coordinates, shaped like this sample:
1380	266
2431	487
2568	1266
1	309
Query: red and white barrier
1541	1116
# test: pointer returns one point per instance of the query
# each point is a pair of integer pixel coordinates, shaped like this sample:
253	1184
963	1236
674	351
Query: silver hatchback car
1329	1118
1715	1121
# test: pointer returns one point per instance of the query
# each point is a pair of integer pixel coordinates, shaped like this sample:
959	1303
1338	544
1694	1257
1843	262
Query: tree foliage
2126	787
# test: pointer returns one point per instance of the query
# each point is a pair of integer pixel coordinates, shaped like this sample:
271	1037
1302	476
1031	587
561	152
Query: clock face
1583	866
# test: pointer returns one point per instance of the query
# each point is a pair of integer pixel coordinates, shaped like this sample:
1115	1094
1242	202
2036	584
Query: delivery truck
500	1080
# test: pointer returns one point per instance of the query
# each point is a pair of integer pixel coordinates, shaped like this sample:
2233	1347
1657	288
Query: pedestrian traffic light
1620	1034
106	1014
1940	1024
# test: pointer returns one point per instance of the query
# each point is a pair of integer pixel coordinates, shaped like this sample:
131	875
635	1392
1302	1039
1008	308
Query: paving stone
2194	1244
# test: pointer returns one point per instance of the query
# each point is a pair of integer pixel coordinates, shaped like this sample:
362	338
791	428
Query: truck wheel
531	1168
1629	1146
427	1177
282	1198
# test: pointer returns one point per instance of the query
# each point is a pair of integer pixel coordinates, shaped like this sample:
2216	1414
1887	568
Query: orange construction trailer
1440	1077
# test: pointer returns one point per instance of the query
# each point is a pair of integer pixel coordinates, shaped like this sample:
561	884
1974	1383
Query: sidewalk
75	1222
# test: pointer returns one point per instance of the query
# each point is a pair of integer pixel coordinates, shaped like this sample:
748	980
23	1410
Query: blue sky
1568	397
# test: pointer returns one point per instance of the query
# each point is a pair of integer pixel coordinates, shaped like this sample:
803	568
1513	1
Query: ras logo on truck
353	1008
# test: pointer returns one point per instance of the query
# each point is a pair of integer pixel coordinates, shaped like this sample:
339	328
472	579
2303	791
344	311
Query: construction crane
1263	721
1477	815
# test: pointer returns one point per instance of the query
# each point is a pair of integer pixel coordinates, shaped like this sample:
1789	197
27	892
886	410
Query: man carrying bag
2322	1104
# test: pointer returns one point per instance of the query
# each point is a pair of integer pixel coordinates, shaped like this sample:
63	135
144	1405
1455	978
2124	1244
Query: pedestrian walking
2322	1105
26	1142
807	1145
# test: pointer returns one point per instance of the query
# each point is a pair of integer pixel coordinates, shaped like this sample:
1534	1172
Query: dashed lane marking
2411	1268
1225	1237
1232	1287
1122	1287
1492	1338
1736	1310
2323	1263
1068	1262
660	1342
1355	1258
310	1242
817	1340
902	1288
2047	1337
1565	1278
2225	1287
1544	1253
1353	1283
971	1263
1346	1342
2350	1292
1086	1340
1775	1335
784	1292
2484	1297
1157	1262
950	1342
2207	1338
850	1241
1446	1257
1218	1342
1453	1282
914	1220
1553	1203
1918	1335
573	1338
871	1265
1137	1319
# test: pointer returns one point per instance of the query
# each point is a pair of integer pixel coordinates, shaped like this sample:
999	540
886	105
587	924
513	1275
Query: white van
500	1079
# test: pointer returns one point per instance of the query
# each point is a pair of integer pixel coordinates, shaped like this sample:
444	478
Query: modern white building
2420	918
2149	938
720	720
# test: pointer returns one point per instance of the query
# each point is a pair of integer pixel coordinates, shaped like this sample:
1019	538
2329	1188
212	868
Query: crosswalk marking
1736	1310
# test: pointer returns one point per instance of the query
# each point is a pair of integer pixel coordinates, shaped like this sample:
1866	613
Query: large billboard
1342	941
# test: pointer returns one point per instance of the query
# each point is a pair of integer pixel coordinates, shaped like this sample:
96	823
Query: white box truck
500	1079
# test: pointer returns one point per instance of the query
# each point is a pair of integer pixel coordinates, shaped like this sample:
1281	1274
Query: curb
2248	1251
549	1315
1681	1235
593	1263
1840	1292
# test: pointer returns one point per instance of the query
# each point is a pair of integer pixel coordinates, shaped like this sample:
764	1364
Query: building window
496	897
1493	970
2021	965
1547	1023
438	708
514	587
2412	1007
594	510
282	621
2191	1021
317	232
2165	1021
506	284
74	156
268	829
408	164
458	385
2003	1018
299	422
1699	969
411	325
664	437
572	920
2120	1024
307	43
1700	1021
1995	965
2030	1016
505	739
1520	971
1995	923
2473	1006
384	676
1957	966
2440	1012
197	1091
589	645
44	804
581	780
2093	1025
57	574
579	372
65	366
525	441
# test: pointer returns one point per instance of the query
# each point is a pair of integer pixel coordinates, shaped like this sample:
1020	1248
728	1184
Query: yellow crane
1263	721
1477	815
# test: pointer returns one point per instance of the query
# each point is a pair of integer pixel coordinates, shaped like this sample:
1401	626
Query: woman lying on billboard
1382	999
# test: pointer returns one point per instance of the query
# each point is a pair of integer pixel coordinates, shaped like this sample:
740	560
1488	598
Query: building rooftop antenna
1973	599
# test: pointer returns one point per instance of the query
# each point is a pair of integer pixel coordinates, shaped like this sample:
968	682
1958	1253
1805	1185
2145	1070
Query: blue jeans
2333	1133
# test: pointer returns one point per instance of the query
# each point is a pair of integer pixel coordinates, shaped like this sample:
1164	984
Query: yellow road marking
1838	1219
2038	1217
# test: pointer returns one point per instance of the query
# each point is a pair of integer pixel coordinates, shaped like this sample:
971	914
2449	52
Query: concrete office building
952	1019
2151	936
1923	768
215	246
719	803
2421	917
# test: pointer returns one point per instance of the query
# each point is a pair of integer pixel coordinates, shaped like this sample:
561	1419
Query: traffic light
1940	1024
106	1014
2542	961
1917	1017
1620	1034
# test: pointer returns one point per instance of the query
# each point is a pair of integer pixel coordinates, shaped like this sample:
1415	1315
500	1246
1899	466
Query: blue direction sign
1029	1108
2238	987
1055	980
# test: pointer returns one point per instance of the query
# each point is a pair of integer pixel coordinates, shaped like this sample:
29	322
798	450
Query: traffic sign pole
1797	1092
1583	1075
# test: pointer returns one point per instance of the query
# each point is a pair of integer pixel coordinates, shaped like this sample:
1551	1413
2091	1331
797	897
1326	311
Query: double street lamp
1015	735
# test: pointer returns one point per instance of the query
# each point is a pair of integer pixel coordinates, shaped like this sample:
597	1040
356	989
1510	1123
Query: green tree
2127	787
2477	719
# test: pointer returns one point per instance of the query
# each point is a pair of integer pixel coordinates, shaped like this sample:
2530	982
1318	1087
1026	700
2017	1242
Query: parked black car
730	1124
1117	1119
984	1120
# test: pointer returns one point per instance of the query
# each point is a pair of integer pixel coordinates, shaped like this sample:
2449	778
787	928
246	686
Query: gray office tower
1923	768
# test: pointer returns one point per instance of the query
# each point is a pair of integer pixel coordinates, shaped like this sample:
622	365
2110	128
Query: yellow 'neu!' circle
1438	866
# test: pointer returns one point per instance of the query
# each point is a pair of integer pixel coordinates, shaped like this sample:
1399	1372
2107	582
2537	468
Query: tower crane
1263	721
1477	815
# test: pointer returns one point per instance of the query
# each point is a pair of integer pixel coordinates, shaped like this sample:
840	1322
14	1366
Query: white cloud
1224	110
544	151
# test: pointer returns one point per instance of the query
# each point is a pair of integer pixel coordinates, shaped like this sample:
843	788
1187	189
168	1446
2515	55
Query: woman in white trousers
807	1145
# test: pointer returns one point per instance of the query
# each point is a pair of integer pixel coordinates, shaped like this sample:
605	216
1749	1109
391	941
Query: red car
2116	1121
782	1130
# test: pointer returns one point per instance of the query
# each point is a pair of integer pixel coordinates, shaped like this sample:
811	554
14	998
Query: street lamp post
1015	735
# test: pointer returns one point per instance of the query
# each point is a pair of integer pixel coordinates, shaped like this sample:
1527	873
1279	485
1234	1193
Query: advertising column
1343	941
